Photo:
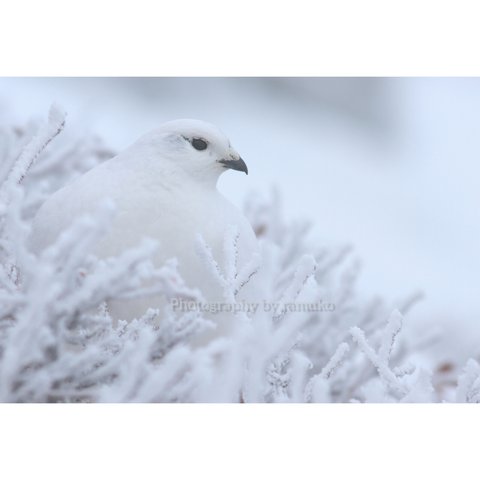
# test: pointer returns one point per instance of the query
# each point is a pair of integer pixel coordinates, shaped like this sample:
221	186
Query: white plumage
164	187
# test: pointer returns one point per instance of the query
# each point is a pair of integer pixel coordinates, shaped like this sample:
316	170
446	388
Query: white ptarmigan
163	187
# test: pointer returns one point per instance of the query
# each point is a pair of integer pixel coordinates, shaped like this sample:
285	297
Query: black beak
238	165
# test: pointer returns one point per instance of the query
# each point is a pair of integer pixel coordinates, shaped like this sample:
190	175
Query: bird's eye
199	144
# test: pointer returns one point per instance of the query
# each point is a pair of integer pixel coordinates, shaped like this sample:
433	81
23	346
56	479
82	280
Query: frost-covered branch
31	152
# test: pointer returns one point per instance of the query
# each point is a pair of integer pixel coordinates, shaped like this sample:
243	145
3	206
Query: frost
58	342
30	153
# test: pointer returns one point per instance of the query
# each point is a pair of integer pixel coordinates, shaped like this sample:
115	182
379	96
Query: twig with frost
31	152
318	382
381	359
305	270
230	278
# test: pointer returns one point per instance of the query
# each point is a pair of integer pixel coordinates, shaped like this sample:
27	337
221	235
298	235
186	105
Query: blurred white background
390	166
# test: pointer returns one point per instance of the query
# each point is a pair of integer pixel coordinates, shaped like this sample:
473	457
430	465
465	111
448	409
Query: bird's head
194	147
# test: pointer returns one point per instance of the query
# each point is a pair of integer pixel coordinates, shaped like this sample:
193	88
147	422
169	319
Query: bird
164	186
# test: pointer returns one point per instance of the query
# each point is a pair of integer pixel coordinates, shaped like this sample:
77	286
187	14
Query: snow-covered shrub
311	339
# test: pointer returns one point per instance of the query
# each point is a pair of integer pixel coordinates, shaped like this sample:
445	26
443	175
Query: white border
248	37
238	441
